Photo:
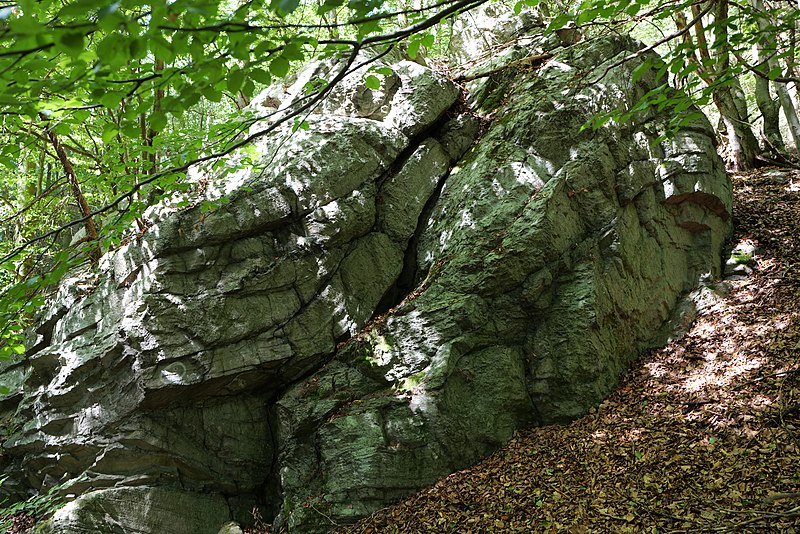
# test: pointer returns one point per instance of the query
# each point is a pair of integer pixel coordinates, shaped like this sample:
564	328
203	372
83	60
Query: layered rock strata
374	304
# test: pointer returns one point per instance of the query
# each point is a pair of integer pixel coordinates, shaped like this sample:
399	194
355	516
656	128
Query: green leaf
158	121
690	118
690	68
108	47
131	130
109	132
72	41
261	76
249	88
25	25
212	93
292	52
683	105
300	125
190	97
413	49
235	80
263	48
373	82
197	48
287	6
161	49
137	49
633	9
641	70
111	99
774	73
279	66
314	84
518	7
558	22
108	10
329	5
585	16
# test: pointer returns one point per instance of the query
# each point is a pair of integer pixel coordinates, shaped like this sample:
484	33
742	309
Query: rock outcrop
375	304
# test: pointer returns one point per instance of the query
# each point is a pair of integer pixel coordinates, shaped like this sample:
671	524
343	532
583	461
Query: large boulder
366	308
549	262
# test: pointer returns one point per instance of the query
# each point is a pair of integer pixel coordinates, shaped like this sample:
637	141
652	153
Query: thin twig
524	62
655	45
318	96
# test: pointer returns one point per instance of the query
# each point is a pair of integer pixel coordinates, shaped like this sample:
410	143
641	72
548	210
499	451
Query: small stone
737	269
231	527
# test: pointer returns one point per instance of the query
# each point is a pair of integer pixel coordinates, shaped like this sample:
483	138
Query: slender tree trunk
240	100
781	88
729	100
83	206
791	63
768	106
769	113
679	18
742	143
40	173
789	112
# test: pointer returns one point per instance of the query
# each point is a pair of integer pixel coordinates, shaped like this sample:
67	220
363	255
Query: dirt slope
702	436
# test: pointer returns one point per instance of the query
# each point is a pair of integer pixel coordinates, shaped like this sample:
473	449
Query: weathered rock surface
229	358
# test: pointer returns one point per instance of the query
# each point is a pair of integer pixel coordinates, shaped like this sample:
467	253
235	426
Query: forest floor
701	436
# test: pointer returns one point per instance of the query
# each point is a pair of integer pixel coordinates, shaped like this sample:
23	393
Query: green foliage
704	46
135	92
741	257
37	506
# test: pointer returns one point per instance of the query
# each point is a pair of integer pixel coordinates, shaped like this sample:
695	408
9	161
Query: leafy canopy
104	105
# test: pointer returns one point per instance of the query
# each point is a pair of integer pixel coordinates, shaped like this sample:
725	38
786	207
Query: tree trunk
742	143
88	223
767	105
77	193
770	115
729	99
789	112
781	89
791	63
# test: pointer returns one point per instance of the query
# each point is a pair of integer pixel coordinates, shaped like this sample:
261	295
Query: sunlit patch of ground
702	435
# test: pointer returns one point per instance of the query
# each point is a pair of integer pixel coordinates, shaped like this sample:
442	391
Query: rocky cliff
381	299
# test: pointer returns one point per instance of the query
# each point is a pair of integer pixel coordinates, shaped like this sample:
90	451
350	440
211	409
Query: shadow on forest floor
701	435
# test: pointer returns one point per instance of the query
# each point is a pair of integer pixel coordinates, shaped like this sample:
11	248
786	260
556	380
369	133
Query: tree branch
655	45
314	98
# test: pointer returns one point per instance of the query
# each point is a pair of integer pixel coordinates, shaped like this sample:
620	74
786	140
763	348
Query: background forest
105	106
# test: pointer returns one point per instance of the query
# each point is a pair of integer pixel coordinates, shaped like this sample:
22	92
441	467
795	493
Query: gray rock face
371	309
